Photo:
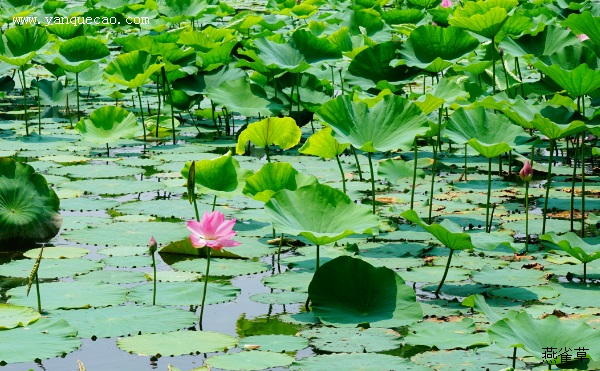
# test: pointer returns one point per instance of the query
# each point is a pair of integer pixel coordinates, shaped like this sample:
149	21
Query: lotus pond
413	185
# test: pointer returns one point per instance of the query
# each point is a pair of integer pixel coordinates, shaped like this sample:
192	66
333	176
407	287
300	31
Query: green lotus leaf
435	48
276	343
574	246
221	176
255	360
52	92
132	69
577	82
240	96
551	40
509	276
402	16
446	91
177	343
391	124
486	358
279	56
107	124
315	49
198	84
396	169
584	23
273	177
484	18
323	144
357	340
356	361
66	31
177	11
50	268
126	320
18	45
206	39
222	267
28	207
319	213
537	336
12	316
111	186
347	292
446	335
447	232
127	233
282	132
79	53
553	130
46	338
183	293
488	133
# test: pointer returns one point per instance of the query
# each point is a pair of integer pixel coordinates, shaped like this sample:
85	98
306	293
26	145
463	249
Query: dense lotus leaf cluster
369	151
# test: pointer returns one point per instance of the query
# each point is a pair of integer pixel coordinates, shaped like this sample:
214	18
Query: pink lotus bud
583	37
446	3
526	172
152	245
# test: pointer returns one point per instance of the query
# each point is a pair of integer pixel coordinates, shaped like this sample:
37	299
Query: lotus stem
77	93
279	252
582	184
158	99
414	179
214	204
465	171
166	82
318	258
372	182
576	150
505	74
584	272
493	66
520	76
357	163
107	150
25	100
433	166
548	180
39	106
141	111
37	291
437	291
205	285
337	157
527	217
342	81
299	79
291	99
514	358
267	153
332	82
154	269
488	226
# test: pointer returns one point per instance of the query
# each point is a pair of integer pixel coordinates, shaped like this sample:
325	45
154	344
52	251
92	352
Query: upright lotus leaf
79	53
551	40
549	126
132	69
396	169
273	177
220	176
107	124
319	213
18	45
348	291
577	82
545	338
315	49
240	96
574	246
584	23
446	91
391	124
282	132
28	207
323	144
282	57
177	11
488	133
435	48
12	316
484	18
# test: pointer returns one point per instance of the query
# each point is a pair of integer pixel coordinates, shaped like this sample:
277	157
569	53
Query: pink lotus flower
212	231
526	172
152	245
446	3
583	37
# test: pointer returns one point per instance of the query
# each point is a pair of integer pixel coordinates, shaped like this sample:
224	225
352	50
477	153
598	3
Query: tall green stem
582	184
154	269
318	258
465	172
341	172
527	217
493	66
166	82
357	163
37	291
25	100
267	153
372	182
279	252
437	291
414	179
214	203
433	166
548	180
141	111
488	227
77	91
205	285
39	107
158	99
576	152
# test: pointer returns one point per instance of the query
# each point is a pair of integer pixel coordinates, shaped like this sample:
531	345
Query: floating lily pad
88	204
509	276
51	268
46	338
57	252
93	171
284	297
183	293
434	274
222	267
475	359
12	316
126	320
275	343
446	335
356	361
526	293
177	343
112	276
356	340
128	233
255	360
289	280
113	186
128	261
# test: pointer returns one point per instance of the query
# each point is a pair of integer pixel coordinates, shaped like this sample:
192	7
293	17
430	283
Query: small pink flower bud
446	3
526	172
152	245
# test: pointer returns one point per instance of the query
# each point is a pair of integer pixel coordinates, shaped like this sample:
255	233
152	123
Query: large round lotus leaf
183	293
355	340
273	177
20	44
78	53
484	20
282	298
576	294
240	96
28	207
57	252
113	186
171	208
391	124
95	171
132	69
348	292
323	144
255	360
126	320
319	213
69	295
435	48
46	338
289	280
434	274
177	343
356	361
51	268
282	132
525	293
574	246
87	204
446	335
108	124
128	261
480	359
222	267
509	277
12	316
447	232
128	233
124	250
275	343
112	276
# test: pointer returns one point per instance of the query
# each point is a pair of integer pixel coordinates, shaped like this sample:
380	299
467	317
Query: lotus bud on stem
526	175
152	247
